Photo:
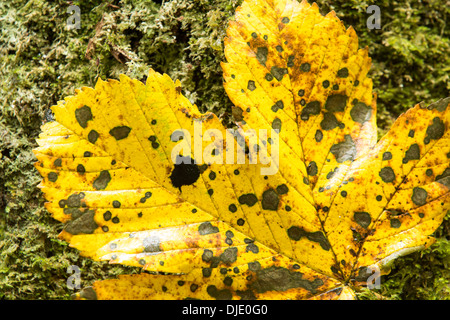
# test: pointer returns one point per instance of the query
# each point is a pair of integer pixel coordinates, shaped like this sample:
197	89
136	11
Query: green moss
41	62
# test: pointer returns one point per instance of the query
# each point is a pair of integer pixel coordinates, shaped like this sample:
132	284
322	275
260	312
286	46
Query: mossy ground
41	62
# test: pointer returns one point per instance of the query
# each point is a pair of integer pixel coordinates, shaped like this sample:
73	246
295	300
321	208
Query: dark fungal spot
181	283
387	156
210	192
278	72
285	20
251	85
153	122
62	203
212	175
329	121
411	133
254	35
113	162
444	178
356	83
332	173
436	129
120	133
290	62
93	136
361	113
232	208
302	102
52	176
269	77
413	153
83	115
305	67
336	103
363	219
278	106
421	215
107	216
249	199
223	294
229	255
429	172
419	196
115	220
326	84
287	208
57	162
207	255
276	124
87	154
261	55
116	204
387	174
440	105
193	287
85	224
105	229
151	244
207	228
252	248
345	150
312	108
312	168
236	172
296	233
270	200
282	189
301	93
174	137
343	73
266	37
395	223
281	279
379	197
185	172
279	48
228	281
318	136
240	222
254	266
102	180
343	193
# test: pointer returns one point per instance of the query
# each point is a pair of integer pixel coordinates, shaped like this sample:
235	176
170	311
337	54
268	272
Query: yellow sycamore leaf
298	202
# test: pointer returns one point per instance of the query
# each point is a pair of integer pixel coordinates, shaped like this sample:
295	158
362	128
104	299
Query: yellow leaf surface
303	210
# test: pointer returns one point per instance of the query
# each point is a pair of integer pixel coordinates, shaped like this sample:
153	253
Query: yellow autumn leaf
298	202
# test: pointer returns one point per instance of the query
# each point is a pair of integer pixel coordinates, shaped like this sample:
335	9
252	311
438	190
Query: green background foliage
41	61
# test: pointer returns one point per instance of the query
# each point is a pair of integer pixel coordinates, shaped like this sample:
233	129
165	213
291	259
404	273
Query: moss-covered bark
41	61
